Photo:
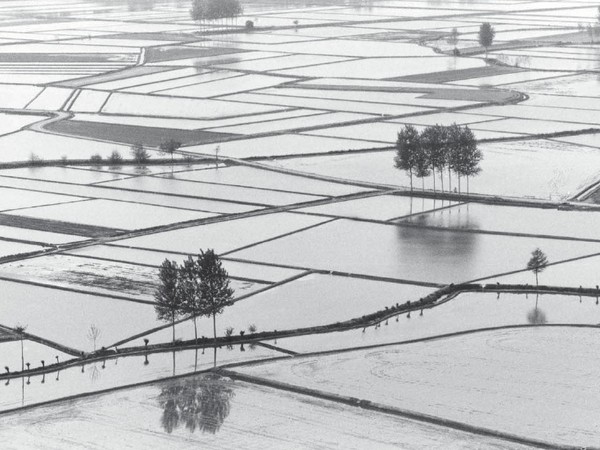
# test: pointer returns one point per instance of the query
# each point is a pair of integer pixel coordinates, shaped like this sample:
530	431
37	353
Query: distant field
131	134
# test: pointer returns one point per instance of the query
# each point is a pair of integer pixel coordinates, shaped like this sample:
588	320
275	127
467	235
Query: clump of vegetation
249	25
453	40
438	148
115	158
96	158
229	332
139	154
35	160
63	160
170	147
188	159
252	328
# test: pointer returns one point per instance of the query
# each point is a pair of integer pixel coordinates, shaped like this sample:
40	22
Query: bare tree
20	330
94	334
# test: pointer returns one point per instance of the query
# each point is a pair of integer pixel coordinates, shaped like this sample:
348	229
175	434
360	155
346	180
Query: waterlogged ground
286	170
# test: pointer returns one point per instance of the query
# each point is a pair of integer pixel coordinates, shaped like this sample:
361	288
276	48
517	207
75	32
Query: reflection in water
438	244
536	316
201	403
454	217
140	5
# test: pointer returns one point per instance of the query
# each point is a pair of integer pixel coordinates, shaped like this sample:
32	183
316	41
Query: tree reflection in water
201	403
536	316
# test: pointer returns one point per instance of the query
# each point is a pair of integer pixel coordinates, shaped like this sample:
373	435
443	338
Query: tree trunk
411	184
536	280
442	178
22	356
459	184
173	322
195	330
215	327
449	180
423	184
433	173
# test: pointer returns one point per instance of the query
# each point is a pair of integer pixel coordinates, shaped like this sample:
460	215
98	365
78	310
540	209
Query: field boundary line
408	414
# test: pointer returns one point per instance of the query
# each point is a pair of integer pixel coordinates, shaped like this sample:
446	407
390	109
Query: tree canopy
435	149
167	294
407	147
198	287
486	36
453	38
537	263
215	9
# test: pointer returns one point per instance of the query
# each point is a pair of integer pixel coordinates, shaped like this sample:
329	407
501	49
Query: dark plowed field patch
113	76
129	134
55	226
169	53
456	75
180	37
92	58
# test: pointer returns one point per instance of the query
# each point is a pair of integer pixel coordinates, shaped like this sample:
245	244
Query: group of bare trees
198	287
438	149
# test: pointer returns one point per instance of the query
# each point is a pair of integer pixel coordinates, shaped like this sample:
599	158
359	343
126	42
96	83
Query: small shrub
96	159
188	159
139	154
229	331
115	158
249	25
35	160
252	328
63	159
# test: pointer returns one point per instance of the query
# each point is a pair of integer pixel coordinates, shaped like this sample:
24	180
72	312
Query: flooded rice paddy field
286	169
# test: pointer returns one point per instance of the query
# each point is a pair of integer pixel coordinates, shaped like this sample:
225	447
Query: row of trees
209	10
198	287
438	148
